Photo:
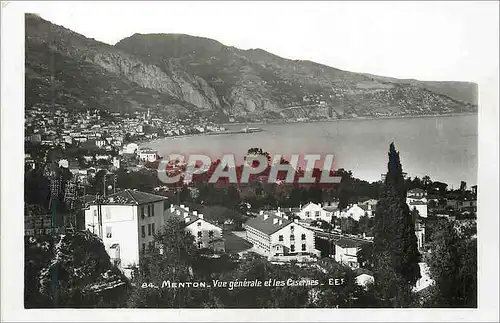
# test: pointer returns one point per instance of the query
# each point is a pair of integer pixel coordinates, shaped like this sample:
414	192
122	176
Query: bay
444	147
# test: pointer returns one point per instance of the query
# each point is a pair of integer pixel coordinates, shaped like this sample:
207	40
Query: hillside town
127	219
58	127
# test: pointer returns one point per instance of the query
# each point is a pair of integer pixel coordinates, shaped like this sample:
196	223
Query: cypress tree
395	230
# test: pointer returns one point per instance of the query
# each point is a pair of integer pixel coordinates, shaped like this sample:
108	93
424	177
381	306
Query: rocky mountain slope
181	74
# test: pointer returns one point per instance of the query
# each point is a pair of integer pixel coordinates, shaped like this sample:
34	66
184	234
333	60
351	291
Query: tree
426	181
345	189
349	225
171	258
395	243
366	225
453	266
390	289
258	151
71	270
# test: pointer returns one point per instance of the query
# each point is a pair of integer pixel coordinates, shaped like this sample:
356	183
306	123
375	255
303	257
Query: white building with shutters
126	222
273	235
313	211
205	233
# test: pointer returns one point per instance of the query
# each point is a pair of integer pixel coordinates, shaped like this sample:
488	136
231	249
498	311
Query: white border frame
12	152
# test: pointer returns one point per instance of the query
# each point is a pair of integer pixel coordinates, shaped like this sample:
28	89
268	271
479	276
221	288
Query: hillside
71	270
176	73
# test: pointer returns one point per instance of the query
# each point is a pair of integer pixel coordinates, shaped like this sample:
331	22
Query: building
368	208
29	162
42	224
417	194
148	155
273	235
206	234
468	204
420	233
346	251
100	143
368	201
417	199
130	148
364	277
126	222
116	162
313	211
425	279
355	211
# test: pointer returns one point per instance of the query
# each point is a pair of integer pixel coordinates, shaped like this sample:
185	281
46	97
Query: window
199	234
149	229
199	224
149	210
308	214
143	231
200	244
152	210
280	238
142	212
108	232
291	228
143	247
316	213
211	233
292	237
292	248
303	247
153	228
303	237
150	244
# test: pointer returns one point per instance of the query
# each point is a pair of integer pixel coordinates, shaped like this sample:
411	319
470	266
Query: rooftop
131	197
267	225
235	244
330	208
193	215
361	271
345	242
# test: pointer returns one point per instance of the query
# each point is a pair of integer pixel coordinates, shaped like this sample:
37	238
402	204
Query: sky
422	40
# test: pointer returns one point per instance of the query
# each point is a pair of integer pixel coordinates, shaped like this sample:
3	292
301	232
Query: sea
442	147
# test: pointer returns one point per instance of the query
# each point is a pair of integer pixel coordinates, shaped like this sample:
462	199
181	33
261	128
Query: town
116	197
58	127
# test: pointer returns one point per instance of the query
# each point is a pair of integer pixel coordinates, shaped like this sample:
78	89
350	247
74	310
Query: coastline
281	121
228	132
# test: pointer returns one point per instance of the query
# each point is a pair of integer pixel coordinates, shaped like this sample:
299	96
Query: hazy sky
423	40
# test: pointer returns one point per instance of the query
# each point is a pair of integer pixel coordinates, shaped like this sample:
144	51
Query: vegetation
453	266
71	270
395	249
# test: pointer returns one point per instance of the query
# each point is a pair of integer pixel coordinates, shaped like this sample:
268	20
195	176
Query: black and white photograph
251	155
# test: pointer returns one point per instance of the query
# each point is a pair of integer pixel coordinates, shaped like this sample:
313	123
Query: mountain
182	74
